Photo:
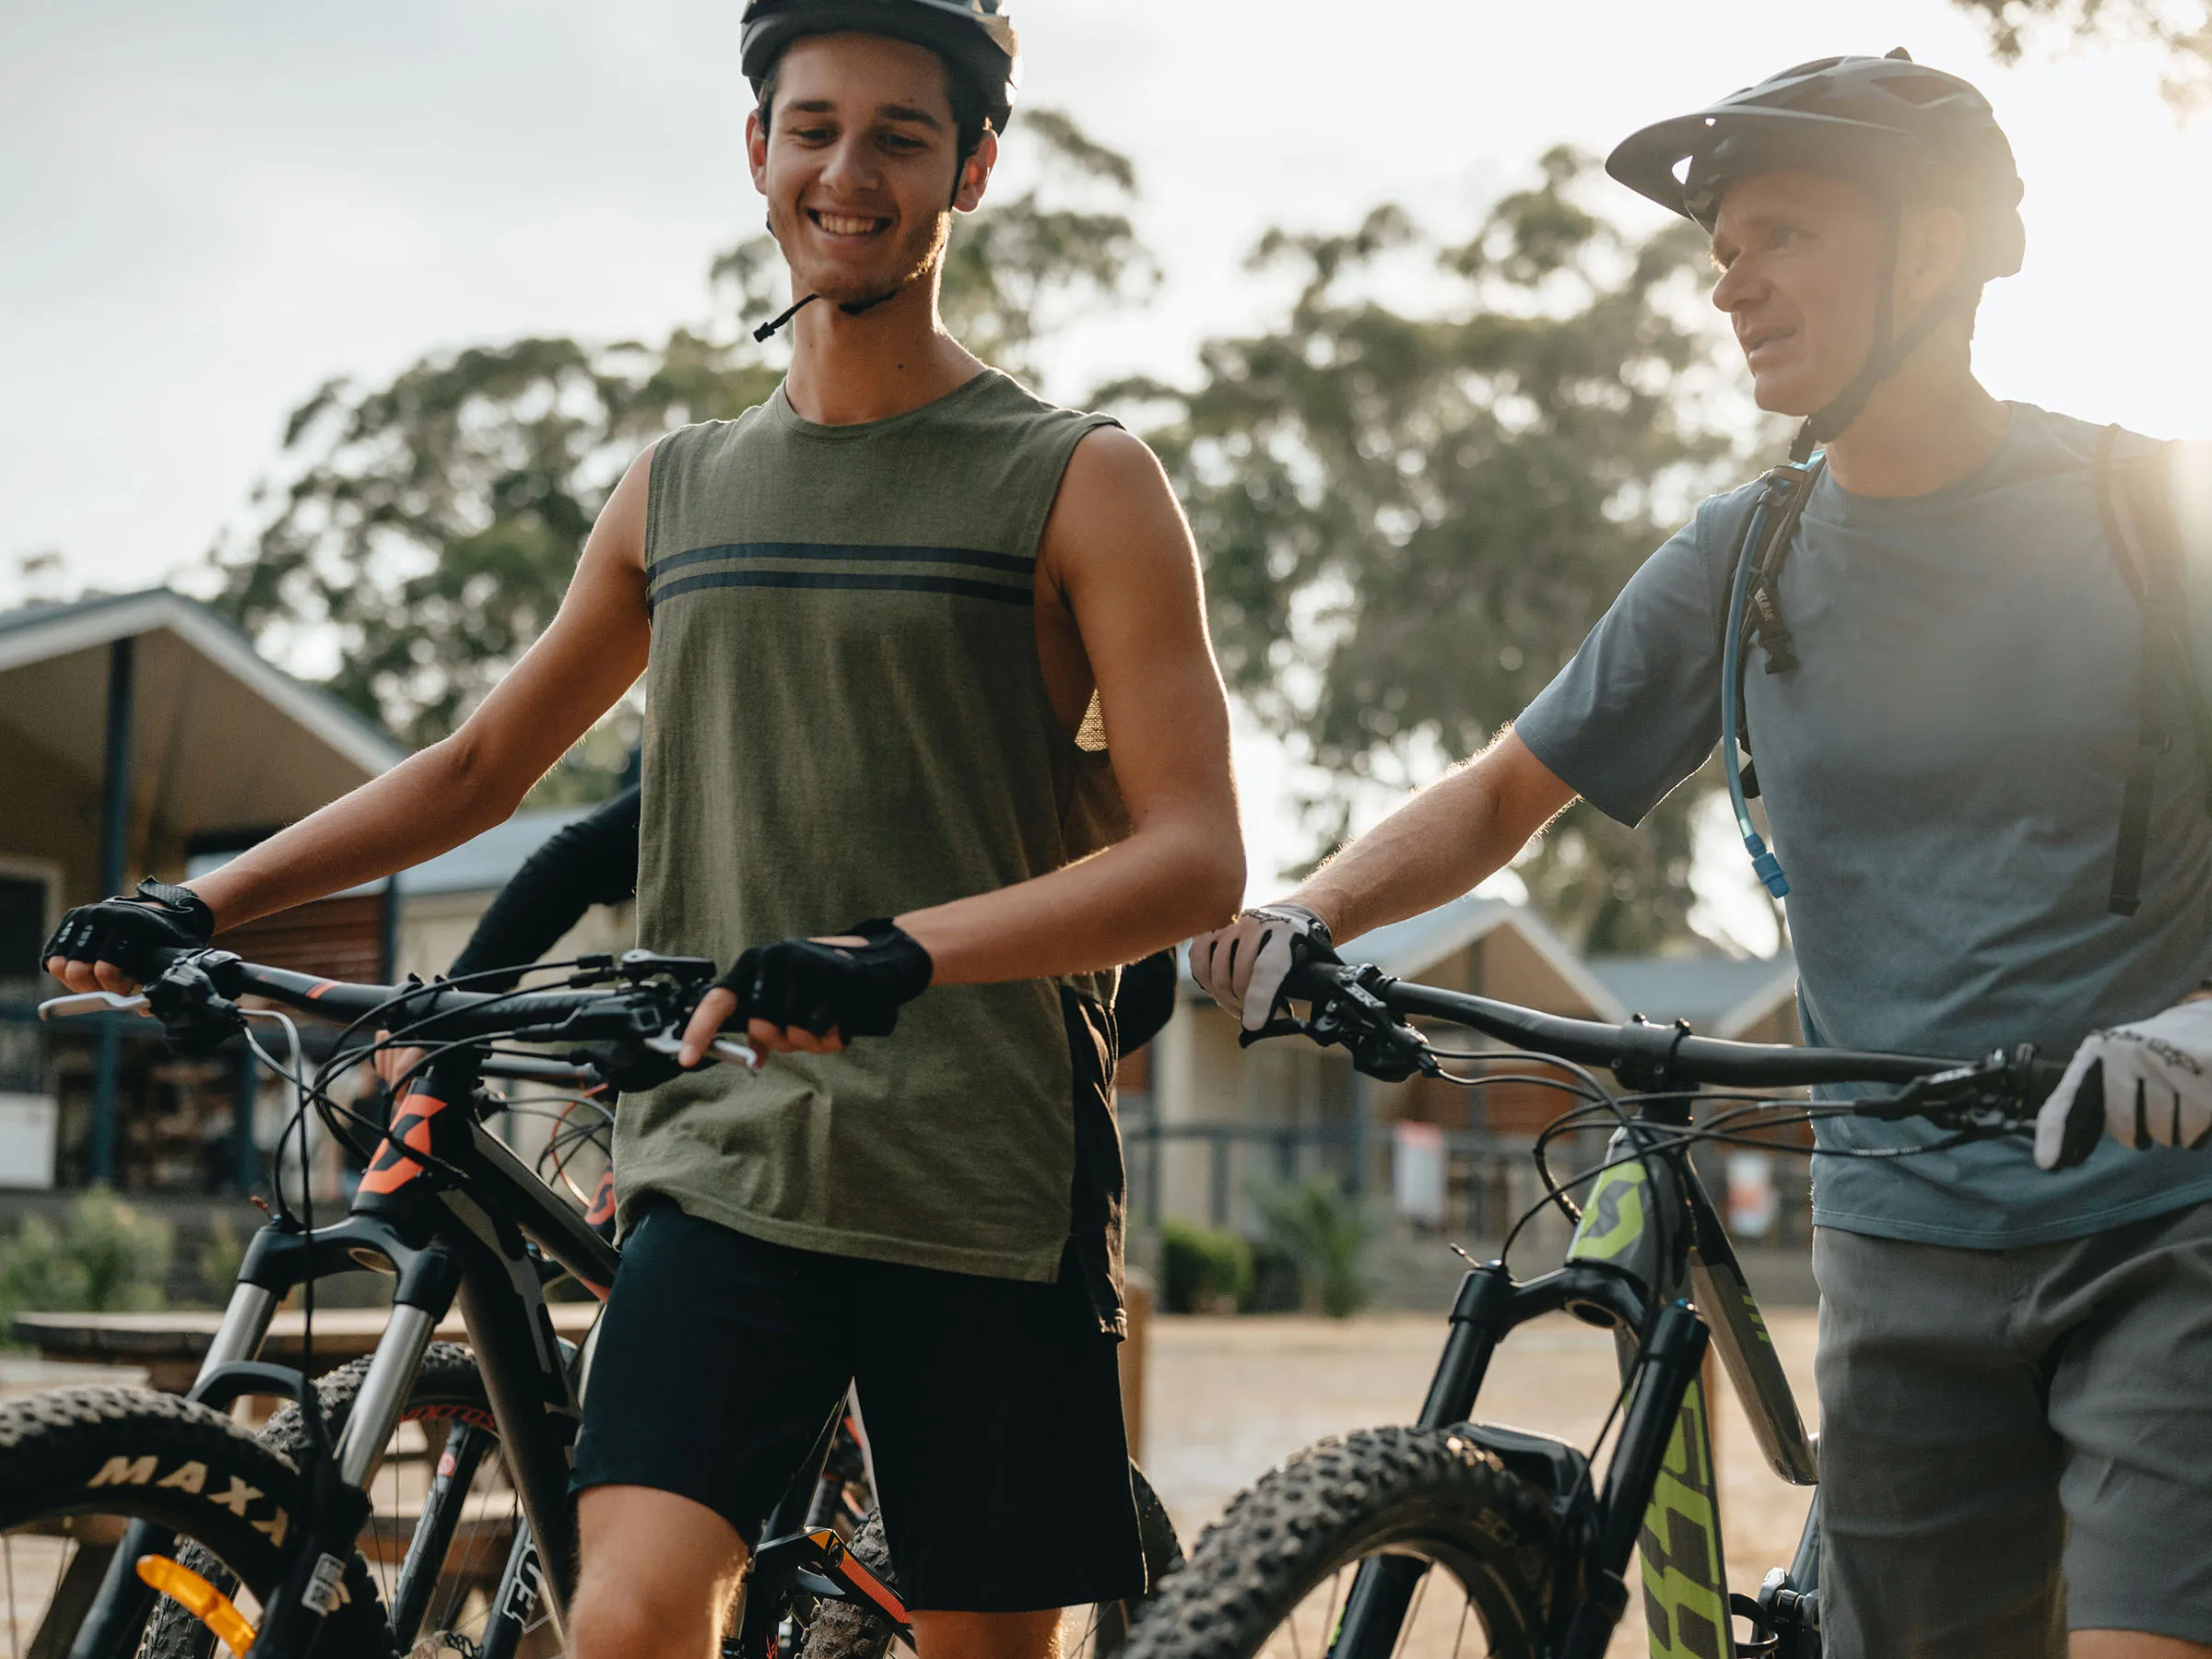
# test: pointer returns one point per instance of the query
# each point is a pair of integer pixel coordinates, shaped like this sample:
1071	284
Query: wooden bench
171	1345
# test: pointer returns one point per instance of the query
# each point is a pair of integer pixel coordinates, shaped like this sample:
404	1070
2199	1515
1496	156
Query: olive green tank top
845	718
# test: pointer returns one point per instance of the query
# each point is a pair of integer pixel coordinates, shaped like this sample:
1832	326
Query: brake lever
92	1002
1353	1018
727	1050
1990	1097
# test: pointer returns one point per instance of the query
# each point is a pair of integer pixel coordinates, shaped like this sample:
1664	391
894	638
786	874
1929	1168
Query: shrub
221	1253
1200	1269
105	1258
1327	1232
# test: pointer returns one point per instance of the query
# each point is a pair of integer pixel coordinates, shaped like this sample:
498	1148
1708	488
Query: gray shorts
2014	1442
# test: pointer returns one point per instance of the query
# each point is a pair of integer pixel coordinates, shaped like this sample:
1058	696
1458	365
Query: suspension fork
1667	1369
338	1501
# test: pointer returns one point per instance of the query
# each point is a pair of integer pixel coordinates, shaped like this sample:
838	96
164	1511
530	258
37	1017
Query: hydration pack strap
1782	495
2134	501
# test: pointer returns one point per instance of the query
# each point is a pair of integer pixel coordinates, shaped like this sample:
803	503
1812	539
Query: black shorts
992	1406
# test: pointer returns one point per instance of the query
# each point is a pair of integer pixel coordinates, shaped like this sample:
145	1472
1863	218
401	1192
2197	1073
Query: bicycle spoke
1413	1613
1328	1618
1460	1635
7	1547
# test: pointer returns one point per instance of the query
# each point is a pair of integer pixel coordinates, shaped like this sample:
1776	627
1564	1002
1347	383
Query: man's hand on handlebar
116	944
2145	1084
1242	966
809	996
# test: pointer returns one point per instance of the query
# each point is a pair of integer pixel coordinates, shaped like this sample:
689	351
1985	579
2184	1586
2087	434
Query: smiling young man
1961	712
887	621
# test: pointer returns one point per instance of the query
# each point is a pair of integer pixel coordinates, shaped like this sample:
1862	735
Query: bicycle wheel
1270	1576
842	1631
79	1466
440	1484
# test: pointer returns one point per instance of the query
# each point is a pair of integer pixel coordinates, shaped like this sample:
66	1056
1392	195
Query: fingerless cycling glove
853	990
130	930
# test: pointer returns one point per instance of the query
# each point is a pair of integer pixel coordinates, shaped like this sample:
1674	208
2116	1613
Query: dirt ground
1226	1399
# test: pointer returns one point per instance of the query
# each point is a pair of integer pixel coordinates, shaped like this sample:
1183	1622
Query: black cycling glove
854	990
130	930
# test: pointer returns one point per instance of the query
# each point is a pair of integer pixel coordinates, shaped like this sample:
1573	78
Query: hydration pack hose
1763	863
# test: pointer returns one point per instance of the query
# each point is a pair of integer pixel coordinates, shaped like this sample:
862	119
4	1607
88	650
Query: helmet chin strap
852	308
1887	355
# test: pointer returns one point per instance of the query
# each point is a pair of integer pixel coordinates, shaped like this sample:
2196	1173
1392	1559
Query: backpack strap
2134	501
1783	492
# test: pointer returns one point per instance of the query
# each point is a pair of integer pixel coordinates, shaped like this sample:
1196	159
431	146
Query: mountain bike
1451	1535
137	1522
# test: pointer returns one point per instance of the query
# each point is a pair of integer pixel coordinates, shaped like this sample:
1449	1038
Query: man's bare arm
1443	842
1448	839
593	651
1121	552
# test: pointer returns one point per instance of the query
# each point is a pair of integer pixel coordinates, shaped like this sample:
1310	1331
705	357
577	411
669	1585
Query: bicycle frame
1650	1260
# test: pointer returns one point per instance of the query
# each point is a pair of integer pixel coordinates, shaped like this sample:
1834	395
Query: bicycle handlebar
642	1000
1654	1056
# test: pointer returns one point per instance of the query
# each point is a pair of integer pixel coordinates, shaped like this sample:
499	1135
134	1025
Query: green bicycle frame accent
1685	1581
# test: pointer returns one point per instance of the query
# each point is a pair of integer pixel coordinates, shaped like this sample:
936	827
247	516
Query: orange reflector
199	1599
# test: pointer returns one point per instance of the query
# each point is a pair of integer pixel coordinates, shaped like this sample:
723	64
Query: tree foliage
1413	512
2183	28
429	527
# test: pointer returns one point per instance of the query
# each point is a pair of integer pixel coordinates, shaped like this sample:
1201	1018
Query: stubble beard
918	255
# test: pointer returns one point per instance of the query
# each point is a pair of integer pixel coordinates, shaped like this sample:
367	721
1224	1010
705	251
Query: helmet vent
1915	88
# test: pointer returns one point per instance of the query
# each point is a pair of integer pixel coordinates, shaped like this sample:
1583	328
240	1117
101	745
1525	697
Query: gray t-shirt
1942	775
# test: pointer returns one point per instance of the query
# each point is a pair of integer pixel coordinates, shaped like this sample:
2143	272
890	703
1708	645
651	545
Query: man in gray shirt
2014	1365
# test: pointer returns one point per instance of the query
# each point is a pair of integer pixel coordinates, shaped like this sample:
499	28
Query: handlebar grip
1310	979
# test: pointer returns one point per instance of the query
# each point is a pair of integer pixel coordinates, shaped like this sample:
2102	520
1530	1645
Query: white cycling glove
1242	966
2156	1077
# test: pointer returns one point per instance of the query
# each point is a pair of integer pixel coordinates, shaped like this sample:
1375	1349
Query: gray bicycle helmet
1896	126
975	36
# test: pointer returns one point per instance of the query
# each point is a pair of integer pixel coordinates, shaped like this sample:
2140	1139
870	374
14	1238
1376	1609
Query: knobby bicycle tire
75	1461
843	1630
1269	1576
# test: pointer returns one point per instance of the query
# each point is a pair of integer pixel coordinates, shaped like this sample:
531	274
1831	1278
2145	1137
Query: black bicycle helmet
975	36
1897	127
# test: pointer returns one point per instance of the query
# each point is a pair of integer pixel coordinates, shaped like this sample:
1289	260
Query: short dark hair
970	115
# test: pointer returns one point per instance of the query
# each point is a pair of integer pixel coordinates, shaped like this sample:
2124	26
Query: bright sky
212	208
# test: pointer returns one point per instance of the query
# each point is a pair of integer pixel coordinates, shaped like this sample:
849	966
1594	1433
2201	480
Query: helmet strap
775	323
1888	352
852	308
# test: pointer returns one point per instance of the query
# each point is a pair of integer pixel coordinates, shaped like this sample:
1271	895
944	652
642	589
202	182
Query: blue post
114	852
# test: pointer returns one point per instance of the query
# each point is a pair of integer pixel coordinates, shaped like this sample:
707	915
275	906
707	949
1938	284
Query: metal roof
38	633
1718	996
481	864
